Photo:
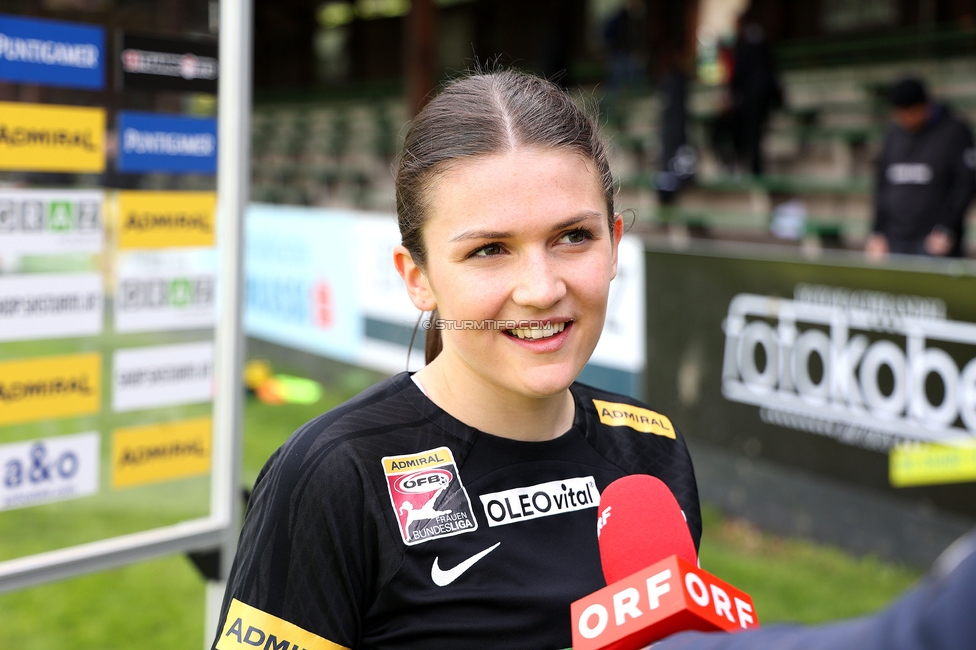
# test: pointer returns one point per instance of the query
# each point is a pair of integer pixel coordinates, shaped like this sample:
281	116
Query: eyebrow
501	234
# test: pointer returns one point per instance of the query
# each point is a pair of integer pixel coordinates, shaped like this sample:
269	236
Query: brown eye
577	236
488	251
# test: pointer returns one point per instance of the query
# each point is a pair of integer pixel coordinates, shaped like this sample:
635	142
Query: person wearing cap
926	177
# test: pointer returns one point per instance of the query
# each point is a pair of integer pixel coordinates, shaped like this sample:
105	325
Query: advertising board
117	443
47	138
178	64
817	371
51	221
153	142
52	52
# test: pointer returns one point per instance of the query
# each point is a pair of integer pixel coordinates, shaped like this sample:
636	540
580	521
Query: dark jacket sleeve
880	188
940	614
952	209
301	559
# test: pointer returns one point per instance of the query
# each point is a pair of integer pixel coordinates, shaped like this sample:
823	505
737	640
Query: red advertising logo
323	313
670	596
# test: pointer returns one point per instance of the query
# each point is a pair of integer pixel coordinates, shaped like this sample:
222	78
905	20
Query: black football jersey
387	523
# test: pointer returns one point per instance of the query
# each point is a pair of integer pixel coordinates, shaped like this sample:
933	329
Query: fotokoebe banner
823	366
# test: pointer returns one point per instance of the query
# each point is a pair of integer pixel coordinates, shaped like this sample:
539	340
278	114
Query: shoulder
331	450
639	439
620	412
634	436
955	128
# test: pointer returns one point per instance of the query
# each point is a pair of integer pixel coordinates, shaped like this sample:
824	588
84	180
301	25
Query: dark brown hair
479	115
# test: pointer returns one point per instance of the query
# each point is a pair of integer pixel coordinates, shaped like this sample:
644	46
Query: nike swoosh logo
443	578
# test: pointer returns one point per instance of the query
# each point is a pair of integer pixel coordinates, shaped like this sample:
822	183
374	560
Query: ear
618	233
418	287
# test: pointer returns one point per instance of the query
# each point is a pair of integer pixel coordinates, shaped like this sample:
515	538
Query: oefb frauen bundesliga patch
428	498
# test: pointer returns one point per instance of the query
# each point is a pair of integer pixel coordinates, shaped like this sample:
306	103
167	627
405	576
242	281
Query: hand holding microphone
654	586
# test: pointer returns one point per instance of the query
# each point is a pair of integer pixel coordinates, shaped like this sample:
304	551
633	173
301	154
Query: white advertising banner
173	290
622	342
50	469
301	286
50	222
50	305
162	375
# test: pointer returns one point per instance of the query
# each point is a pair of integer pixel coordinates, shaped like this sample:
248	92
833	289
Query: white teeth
535	333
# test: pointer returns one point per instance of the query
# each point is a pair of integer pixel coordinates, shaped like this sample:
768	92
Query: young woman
456	507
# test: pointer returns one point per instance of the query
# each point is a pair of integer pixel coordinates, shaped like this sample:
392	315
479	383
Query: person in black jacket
755	91
939	614
926	177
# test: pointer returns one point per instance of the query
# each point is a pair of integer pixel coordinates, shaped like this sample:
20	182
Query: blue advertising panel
300	279
150	142
52	53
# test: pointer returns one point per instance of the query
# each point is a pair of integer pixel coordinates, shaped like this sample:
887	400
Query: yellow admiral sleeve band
635	417
249	627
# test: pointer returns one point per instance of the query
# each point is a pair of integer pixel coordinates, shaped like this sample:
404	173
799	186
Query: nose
538	282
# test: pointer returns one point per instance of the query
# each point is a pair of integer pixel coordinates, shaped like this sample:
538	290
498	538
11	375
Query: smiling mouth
548	330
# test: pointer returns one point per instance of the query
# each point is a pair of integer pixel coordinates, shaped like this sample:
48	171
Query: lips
537	332
541	336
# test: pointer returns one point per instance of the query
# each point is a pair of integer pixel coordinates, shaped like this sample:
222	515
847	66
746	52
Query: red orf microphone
654	586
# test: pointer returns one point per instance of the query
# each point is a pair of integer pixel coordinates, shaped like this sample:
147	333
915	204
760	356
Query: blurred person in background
754	91
678	158
622	35
926	177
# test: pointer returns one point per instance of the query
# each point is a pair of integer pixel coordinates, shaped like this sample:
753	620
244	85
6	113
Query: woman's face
520	239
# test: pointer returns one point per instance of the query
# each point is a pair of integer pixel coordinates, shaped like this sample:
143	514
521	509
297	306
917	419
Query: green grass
158	605
797	580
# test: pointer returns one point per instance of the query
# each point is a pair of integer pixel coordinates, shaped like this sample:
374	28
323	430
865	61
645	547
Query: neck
494	409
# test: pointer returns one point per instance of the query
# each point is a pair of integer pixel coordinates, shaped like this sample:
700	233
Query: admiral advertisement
158	453
50	222
165	219
827	367
47	138
42	388
51	53
153	142
153	63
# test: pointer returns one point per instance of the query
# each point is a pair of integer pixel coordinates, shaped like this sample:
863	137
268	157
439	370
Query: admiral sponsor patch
428	498
542	500
635	417
249	627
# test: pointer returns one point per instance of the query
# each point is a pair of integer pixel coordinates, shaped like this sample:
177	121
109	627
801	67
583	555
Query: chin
547	381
